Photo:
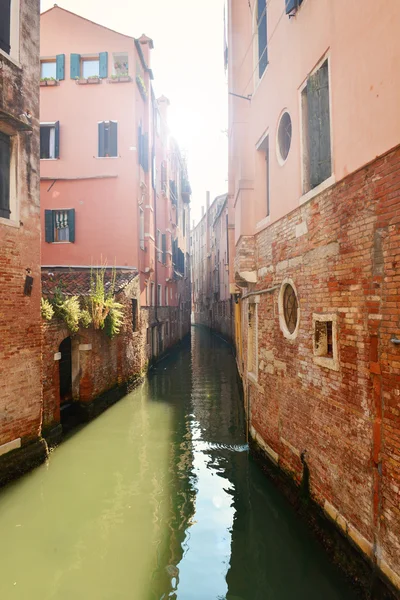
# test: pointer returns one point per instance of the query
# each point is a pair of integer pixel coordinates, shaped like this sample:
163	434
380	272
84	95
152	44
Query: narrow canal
159	499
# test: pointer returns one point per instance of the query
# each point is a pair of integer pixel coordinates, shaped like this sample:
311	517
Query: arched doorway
65	371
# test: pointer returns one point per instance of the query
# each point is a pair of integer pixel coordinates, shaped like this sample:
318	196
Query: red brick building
314	175
20	287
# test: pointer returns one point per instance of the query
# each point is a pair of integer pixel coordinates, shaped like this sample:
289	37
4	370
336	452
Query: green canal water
159	499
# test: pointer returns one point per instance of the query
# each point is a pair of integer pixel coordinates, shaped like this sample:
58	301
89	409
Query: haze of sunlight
188	68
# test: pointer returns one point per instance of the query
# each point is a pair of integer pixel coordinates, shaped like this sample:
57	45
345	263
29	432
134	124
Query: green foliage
47	309
114	319
104	309
85	318
69	310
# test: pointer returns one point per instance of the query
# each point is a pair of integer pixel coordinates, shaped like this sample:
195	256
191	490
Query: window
143	149
5	25
252	339
291	6
50	140
152	293
184	222
284	137
53	68
93	65
263	166
166	296
59	225
317	163
290	308
120	64
48	69
5	159
289	311
164	248
325	341
141	227
159	295
262	54
108	139
159	242
134	314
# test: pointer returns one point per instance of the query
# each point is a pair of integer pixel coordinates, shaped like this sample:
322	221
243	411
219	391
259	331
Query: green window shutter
48	226
5	11
113	138
103	70
60	67
164	248
319	139
75	66
71	224
101	139
57	140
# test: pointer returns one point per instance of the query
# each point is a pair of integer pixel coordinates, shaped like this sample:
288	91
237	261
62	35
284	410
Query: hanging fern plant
105	311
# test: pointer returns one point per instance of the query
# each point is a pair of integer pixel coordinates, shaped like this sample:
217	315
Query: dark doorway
65	371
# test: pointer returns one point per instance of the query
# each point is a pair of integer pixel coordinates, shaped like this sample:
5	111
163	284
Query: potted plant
93	79
80	80
45	81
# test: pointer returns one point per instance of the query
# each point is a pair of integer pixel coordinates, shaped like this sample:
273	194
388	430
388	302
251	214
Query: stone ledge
358	568
21	460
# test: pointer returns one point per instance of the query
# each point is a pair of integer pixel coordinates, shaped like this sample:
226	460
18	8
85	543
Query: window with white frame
120	64
263	168
261	55
48	69
159	246
60	225
166	296
317	160
90	67
5	169
50	140
108	139
9	27
325	344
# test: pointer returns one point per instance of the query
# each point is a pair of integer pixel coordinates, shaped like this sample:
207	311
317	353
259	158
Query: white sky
187	62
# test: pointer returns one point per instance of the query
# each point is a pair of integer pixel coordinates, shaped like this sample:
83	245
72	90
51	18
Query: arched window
261	15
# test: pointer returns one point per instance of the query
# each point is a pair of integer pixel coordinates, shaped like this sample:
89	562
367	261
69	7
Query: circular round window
289	310
284	136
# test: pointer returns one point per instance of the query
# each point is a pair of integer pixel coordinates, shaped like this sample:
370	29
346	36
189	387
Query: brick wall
20	335
342	252
98	362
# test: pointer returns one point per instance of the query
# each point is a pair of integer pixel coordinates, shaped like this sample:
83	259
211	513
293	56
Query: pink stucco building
314	133
111	179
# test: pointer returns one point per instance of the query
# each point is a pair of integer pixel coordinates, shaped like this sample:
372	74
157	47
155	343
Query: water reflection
158	499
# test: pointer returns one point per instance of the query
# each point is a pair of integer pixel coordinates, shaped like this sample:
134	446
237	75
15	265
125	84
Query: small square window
120	64
325	341
48	69
90	67
134	314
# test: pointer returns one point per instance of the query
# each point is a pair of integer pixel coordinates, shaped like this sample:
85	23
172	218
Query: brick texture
20	334
343	259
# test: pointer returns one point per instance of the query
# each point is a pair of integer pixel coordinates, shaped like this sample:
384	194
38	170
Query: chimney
147	45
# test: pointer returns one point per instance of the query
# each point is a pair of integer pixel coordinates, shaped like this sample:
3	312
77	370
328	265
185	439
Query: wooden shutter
71	224
103	69
5	152
48	226
75	66
319	140
101	138
145	163
113	138
262	36
292	5
57	140
60	67
164	248
5	25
